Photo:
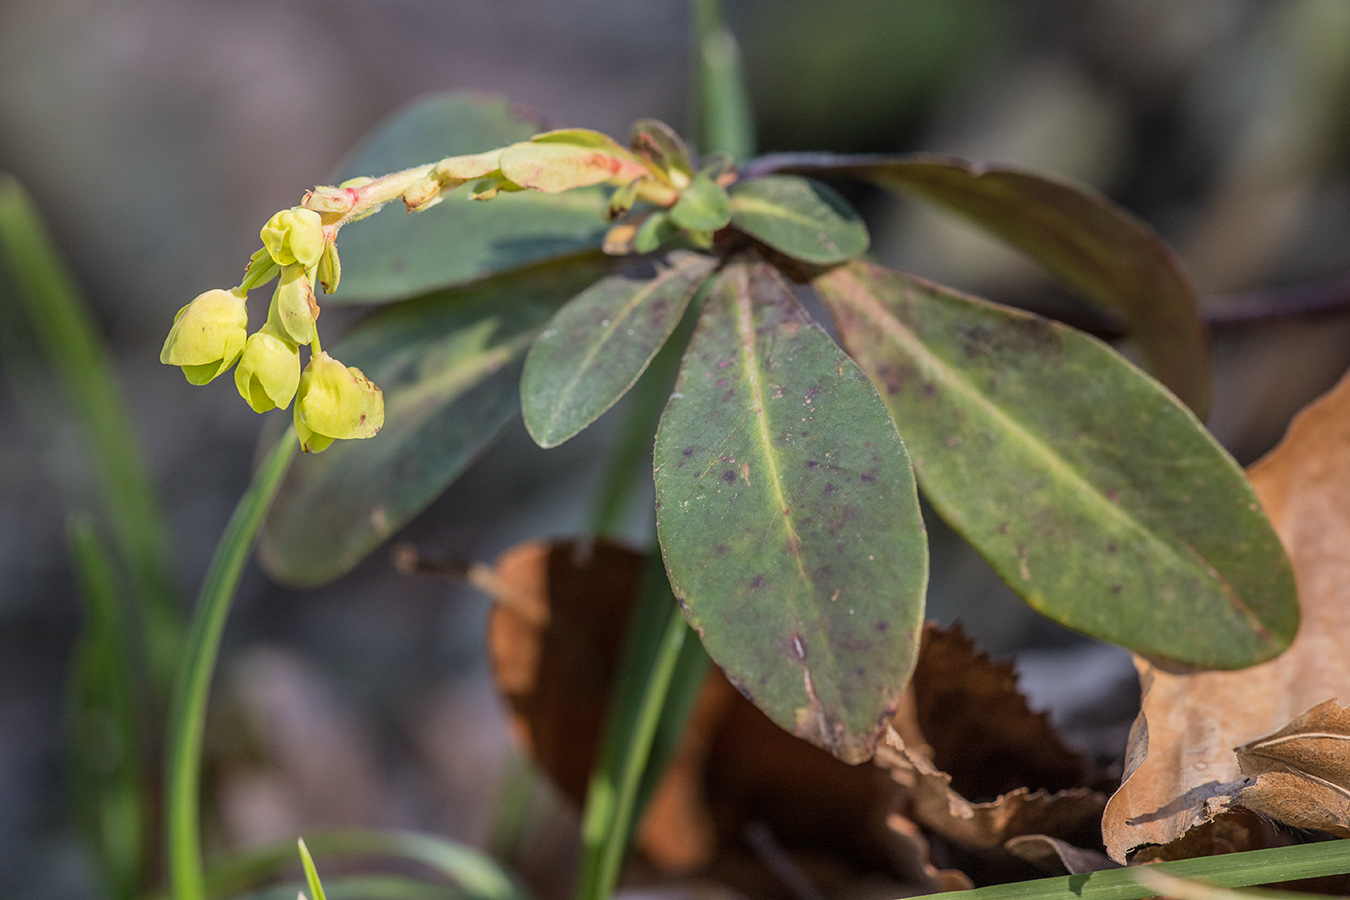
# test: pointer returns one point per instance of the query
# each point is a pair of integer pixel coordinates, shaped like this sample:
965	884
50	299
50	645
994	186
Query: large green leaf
802	218
448	364
788	518
395	255
597	346
1093	246
1091	491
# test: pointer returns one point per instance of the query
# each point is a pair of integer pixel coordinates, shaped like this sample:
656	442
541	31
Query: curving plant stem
187	713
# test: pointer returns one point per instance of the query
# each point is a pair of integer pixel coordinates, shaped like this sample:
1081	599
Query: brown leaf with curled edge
978	725
1182	771
554	637
1302	771
1056	856
1070	814
552	640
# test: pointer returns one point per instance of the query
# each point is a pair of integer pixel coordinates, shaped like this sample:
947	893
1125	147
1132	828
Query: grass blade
1228	871
475	873
69	338
187	720
726	121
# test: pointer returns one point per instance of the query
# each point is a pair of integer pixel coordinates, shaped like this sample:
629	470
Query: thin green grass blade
723	100
475	873
366	887
1229	870
45	293
654	653
107	765
316	891
187	719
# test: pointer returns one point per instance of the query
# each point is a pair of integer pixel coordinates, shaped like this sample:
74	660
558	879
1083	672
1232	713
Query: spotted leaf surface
788	517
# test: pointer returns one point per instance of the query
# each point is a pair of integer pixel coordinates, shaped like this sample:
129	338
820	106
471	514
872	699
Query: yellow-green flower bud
293	308
335	402
269	371
207	335
294	235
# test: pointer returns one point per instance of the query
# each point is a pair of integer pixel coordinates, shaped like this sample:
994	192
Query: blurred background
157	135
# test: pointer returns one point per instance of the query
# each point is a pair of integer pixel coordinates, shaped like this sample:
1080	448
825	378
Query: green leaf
448	365
1094	247
597	346
802	218
1091	491
393	256
655	230
703	206
788	518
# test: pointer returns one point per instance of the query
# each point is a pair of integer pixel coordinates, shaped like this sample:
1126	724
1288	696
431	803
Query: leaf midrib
626	311
953	379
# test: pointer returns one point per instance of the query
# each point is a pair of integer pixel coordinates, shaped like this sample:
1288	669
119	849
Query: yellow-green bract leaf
554	166
449	366
1093	246
802	218
393	256
657	143
1091	491
703	206
788	517
597	346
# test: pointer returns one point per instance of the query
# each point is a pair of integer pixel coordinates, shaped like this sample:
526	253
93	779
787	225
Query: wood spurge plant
786	466
552	274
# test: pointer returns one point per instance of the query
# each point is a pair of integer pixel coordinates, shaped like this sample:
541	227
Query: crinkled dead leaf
978	725
1302	771
1070	814
1057	856
1182	770
738	787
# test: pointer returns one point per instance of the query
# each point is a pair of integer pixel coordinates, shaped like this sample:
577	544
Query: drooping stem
187	714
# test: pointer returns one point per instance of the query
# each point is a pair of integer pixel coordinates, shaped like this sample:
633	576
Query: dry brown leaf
1302	771
1182	769
1056	856
738	785
1070	814
978	726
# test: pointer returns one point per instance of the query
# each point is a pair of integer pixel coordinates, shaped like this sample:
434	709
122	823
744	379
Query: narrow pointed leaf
448	365
595	348
1090	490
657	143
393	255
802	218
1096	248
788	519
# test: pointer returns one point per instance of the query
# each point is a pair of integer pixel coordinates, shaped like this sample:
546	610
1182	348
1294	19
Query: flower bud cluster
332	401
210	336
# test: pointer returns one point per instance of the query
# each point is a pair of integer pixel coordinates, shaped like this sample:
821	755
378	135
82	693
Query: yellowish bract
207	335
335	402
